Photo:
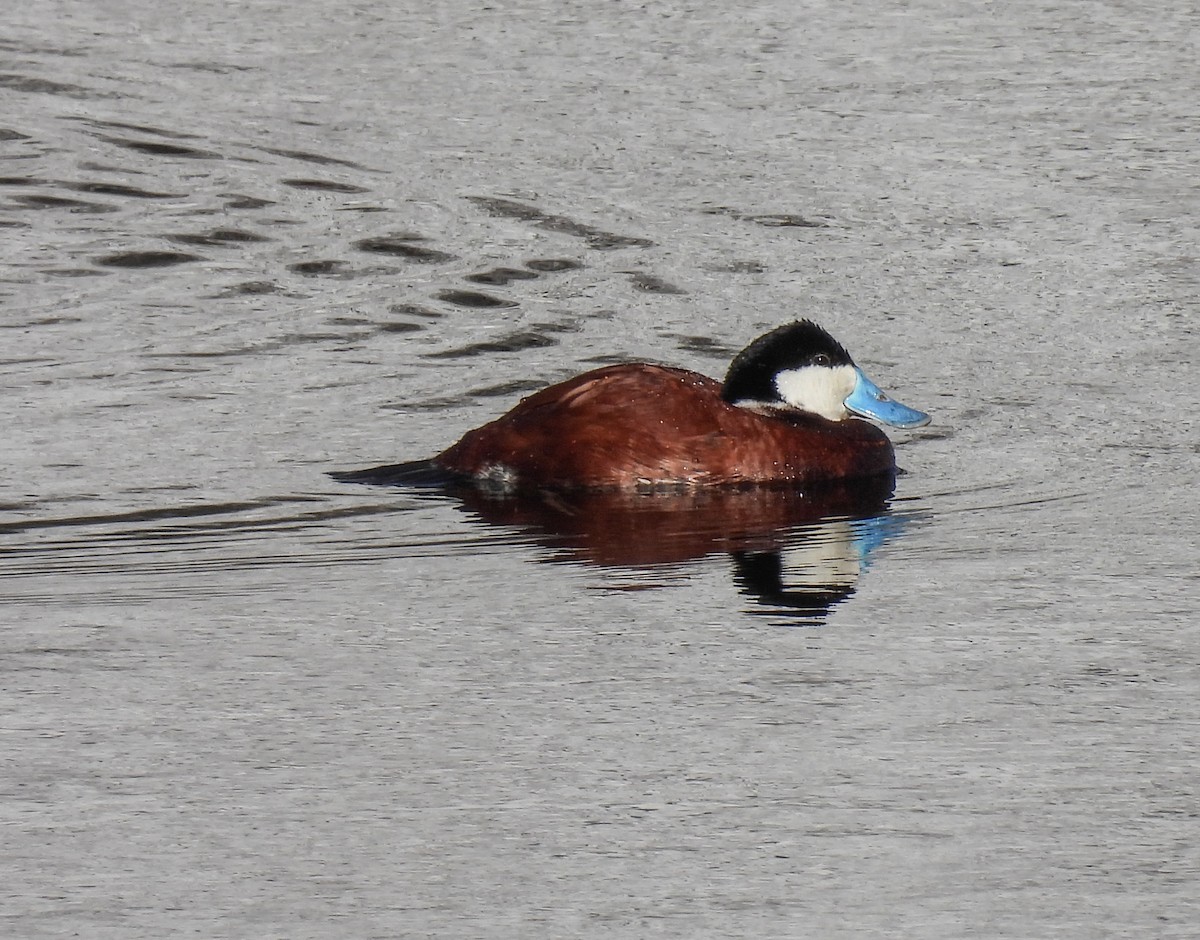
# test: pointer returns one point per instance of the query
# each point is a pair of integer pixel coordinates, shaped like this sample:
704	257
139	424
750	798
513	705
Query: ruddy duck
782	416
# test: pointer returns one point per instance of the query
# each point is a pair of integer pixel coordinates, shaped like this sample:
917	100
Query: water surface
242	247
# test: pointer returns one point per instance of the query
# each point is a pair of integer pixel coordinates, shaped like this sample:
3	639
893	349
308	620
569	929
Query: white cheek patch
817	389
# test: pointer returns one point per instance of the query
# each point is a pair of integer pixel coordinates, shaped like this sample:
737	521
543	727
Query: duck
790	412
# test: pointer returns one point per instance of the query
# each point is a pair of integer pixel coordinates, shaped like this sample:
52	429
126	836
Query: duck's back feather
641	425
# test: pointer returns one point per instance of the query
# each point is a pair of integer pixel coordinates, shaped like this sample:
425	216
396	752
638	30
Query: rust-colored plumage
639	426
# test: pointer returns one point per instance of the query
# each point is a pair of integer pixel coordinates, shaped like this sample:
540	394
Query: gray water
242	245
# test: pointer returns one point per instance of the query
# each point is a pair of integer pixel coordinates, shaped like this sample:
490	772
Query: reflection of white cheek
829	558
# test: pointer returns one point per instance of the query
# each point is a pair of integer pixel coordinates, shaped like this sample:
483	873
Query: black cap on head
751	375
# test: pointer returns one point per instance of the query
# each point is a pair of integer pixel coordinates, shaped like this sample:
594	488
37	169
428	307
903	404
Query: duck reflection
795	552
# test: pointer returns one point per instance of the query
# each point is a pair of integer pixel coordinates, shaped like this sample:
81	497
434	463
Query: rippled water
243	246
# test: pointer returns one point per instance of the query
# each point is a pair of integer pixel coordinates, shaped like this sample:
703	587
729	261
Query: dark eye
822	359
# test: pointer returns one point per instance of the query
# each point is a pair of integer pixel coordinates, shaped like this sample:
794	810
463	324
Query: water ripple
188	550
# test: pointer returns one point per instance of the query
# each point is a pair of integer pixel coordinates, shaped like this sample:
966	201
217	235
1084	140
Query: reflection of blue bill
870	533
